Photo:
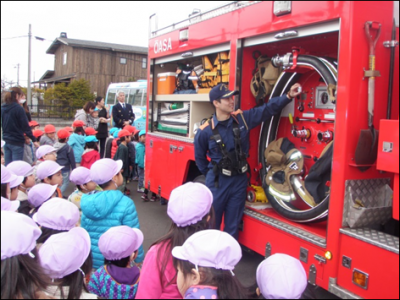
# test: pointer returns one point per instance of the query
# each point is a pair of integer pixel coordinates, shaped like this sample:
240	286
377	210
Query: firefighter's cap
281	276
221	91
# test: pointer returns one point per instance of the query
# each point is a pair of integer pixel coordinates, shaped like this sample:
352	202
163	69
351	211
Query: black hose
318	65
391	71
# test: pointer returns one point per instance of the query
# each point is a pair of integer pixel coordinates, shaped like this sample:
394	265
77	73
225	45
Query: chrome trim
171	137
339	291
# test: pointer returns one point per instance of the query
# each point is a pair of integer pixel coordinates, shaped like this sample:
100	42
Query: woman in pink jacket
190	208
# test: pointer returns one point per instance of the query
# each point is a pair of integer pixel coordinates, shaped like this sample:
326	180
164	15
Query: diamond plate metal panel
321	242
374	237
371	193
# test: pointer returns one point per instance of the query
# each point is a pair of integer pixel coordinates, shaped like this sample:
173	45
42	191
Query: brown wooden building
100	63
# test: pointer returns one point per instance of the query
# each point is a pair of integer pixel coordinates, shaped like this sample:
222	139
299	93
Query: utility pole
17	74
29	96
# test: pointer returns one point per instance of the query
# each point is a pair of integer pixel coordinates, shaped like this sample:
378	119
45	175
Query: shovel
367	147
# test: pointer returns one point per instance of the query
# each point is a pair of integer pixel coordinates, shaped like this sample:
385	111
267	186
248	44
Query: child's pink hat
281	276
120	242
210	248
58	214
189	203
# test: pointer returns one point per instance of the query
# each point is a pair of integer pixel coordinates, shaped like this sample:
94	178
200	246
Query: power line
15	37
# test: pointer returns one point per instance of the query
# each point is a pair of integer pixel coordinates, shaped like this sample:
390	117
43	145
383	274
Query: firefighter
225	140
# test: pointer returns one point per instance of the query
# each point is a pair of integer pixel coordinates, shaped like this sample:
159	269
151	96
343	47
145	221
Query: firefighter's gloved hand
294	91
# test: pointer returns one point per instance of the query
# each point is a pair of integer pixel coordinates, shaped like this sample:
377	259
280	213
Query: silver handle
180	149
286	34
172	148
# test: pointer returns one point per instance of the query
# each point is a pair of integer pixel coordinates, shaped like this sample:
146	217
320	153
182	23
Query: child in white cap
190	208
205	264
117	279
39	194
50	172
22	168
44	153
19	259
55	216
65	257
84	185
109	208
281	276
8	179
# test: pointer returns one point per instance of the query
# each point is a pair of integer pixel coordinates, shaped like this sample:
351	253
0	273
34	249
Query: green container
176	106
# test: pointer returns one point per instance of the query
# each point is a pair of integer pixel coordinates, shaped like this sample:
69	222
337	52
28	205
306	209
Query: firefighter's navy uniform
229	192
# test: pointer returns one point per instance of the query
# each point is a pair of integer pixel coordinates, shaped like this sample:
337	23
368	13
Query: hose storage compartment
314	113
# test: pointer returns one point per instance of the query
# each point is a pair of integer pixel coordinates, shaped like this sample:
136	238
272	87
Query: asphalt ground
154	223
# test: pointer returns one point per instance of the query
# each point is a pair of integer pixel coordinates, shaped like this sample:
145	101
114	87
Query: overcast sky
112	21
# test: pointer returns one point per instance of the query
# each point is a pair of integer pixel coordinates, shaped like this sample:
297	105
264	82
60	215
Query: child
132	151
91	153
6	178
44	153
205	264
49	137
14	184
22	168
65	257
77	140
29	152
65	157
69	129
9	205
281	276
55	216
50	172
190	208
39	194
37	134
109	141
115	143
84	185
34	125
90	131
19	259
123	154
93	119
119	245
3	162
103	210
140	153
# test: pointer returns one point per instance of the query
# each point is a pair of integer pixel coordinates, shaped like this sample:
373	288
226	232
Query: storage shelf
183	97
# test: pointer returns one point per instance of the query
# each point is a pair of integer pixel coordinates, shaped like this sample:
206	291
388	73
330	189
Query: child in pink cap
118	278
205	264
65	258
50	172
84	185
281	276
19	259
22	168
190	208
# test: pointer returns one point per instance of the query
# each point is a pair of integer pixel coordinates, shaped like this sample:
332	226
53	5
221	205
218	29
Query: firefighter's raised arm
257	115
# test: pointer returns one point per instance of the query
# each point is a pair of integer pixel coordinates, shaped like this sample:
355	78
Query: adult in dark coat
15	124
102	130
122	112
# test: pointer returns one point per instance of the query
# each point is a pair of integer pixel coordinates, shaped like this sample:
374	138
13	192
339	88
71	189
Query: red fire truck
345	56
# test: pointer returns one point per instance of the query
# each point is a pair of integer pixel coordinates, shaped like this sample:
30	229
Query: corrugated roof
95	45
